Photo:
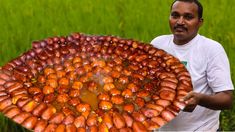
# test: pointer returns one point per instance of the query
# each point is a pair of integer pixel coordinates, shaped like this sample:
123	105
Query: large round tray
89	83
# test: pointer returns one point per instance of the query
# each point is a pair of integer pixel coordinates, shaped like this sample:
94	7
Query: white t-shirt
209	68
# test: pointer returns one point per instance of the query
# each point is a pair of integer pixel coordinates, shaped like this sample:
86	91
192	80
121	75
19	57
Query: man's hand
218	101
191	100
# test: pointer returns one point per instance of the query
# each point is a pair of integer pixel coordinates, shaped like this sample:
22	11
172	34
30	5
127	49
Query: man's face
184	21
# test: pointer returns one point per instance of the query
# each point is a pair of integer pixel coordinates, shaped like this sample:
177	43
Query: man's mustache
179	26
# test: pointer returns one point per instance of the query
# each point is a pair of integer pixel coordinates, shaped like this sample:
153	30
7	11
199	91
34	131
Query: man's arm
219	101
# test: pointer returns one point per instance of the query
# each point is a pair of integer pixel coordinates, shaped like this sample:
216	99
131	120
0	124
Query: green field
22	22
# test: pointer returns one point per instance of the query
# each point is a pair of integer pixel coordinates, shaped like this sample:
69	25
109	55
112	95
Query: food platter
88	83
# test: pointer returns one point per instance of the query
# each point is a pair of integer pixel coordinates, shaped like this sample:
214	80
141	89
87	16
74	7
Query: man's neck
183	41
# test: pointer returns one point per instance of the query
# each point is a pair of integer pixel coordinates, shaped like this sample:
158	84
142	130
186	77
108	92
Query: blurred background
23	21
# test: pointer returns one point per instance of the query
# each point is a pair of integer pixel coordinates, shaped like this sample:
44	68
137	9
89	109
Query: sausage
184	77
7	72
178	70
74	101
179	104
117	99
118	120
48	113
18	97
181	92
125	129
8	108
182	86
71	128
129	107
2	93
38	97
107	119
68	120
42	55
167	95
5	103
20	75
104	96
105	105
159	120
39	109
166	89
2	81
93	129
92	119
167	115
12	112
21	117
22	101
9	83
60	128
138	116
141	58
187	83
34	90
169	84
40	126
30	122
183	73
155	107
102	127
128	119
50	128
176	66
165	75
57	118
80	121
19	91
175	110
4	97
30	106
8	66
2	88
142	93
4	76
150	112
138	127
172	61
15	86
140	102
150	125
138	76
171	79
153	64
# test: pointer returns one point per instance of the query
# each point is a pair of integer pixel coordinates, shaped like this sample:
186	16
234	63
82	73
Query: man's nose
180	20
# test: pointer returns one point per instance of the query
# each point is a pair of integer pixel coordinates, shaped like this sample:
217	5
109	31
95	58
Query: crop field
23	21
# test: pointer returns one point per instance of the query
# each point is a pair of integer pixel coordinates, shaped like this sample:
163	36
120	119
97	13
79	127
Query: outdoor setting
26	21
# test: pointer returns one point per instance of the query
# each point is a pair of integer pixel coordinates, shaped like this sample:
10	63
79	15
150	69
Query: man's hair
199	5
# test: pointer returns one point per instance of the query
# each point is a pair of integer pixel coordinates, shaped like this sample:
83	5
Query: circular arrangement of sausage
93	83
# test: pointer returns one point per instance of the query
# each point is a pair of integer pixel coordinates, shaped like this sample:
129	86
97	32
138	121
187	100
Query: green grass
24	21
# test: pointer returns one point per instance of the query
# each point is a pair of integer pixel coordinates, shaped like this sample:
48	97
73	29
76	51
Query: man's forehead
184	7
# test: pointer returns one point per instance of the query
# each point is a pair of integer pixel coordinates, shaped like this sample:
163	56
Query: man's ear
201	22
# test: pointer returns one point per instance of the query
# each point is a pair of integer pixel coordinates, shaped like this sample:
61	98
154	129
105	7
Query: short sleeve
218	72
156	41
161	41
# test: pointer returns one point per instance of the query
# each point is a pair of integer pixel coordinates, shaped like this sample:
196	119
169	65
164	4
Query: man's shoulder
209	43
207	39
215	48
161	39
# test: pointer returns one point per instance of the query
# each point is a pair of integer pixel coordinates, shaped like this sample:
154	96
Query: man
207	64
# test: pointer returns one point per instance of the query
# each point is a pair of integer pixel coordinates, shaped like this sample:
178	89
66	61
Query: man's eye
174	15
188	17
